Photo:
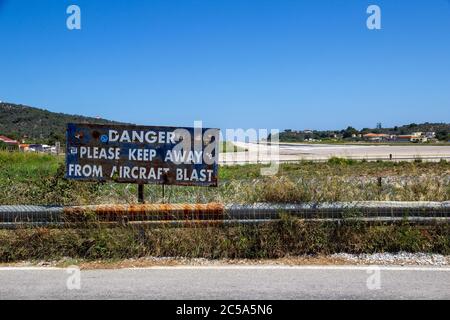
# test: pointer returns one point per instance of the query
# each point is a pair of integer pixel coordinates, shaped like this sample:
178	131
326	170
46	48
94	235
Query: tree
55	137
443	135
349	132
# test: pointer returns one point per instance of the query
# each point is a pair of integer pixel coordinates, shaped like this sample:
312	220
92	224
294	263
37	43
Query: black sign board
142	154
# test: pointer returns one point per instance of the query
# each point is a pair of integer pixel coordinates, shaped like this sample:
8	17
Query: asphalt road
294	152
232	282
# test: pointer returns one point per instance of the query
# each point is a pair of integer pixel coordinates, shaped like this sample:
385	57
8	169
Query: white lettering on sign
196	175
141	173
99	153
86	171
156	174
141	136
178	156
141	154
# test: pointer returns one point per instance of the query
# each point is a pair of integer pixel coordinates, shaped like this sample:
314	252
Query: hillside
37	125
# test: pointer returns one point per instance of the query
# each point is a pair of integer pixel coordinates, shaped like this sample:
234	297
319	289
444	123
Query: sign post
142	155
141	193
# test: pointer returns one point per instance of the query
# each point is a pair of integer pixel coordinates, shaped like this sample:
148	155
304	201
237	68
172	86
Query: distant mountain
38	125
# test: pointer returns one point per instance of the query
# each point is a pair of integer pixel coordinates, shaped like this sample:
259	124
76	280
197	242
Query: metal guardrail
339	210
218	214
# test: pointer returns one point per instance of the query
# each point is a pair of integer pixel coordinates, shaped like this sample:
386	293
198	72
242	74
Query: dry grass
281	239
148	262
39	180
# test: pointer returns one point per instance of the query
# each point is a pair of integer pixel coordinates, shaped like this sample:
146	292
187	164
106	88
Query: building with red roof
9	141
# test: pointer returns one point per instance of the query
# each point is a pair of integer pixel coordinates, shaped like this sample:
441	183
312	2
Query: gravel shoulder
396	259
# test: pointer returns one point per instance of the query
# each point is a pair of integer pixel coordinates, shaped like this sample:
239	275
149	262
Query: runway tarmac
289	152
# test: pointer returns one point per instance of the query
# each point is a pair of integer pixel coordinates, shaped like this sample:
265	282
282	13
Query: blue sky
231	63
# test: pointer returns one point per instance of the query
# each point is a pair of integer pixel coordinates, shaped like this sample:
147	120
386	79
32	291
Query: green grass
32	178
19	166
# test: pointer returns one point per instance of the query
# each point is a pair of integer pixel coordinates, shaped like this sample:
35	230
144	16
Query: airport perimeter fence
214	214
388	158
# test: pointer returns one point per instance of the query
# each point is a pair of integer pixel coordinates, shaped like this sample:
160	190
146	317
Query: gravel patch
402	258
